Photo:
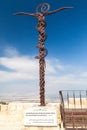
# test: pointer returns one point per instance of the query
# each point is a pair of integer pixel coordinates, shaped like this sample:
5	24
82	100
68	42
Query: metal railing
73	108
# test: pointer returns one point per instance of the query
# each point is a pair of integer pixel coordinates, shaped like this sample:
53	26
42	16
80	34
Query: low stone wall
12	116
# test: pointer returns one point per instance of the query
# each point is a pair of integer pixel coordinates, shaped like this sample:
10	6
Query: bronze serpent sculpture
41	11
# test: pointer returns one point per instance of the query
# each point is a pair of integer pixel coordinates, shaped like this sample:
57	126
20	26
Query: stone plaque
40	117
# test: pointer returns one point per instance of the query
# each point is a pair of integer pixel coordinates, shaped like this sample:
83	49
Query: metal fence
73	109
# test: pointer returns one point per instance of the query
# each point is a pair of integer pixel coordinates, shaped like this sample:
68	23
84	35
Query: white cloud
84	74
11	51
12	76
20	64
60	67
23	67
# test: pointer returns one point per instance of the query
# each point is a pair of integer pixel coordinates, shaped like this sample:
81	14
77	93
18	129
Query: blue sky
66	63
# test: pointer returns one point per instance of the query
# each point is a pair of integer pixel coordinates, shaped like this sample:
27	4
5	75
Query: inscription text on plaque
40	117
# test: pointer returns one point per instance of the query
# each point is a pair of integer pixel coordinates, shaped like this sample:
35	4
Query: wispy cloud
10	51
84	74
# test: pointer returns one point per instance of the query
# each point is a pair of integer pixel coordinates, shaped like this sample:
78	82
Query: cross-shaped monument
42	10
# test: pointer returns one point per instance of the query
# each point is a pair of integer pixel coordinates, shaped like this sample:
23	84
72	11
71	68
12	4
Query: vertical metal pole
42	53
68	98
74	99
80	99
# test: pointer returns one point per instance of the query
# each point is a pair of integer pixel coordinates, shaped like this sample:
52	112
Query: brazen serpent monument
42	10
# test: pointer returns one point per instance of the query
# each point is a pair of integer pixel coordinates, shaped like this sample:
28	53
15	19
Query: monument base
24	116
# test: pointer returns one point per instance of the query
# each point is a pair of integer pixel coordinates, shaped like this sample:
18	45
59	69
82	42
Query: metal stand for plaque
42	10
